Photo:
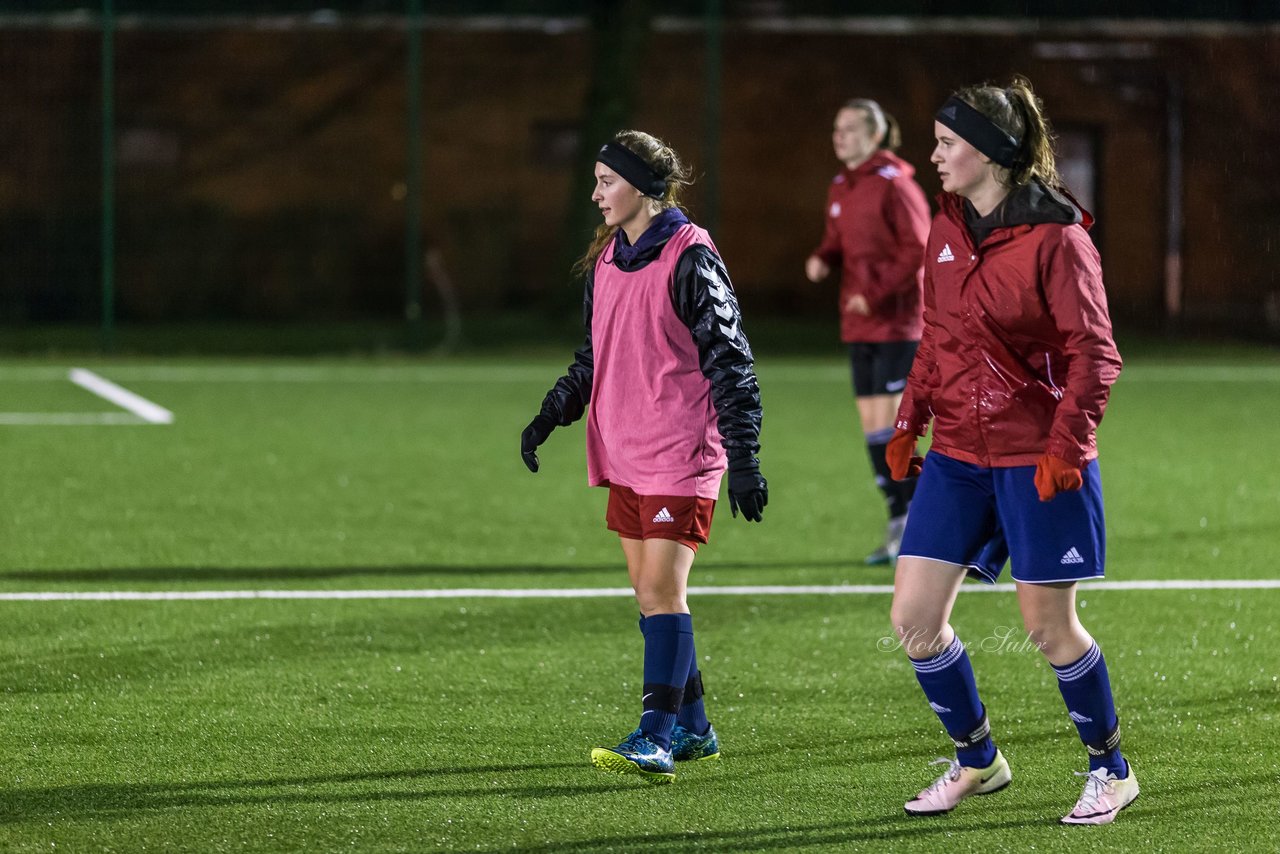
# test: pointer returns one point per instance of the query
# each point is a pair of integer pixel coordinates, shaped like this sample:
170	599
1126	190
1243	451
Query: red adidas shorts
683	518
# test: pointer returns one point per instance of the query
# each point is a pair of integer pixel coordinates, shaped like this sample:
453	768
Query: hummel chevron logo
716	287
724	311
664	515
945	255
1072	556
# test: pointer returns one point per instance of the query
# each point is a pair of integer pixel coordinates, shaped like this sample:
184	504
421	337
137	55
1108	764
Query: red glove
901	455
1054	475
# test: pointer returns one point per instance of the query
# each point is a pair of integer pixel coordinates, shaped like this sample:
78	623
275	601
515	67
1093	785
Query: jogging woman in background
1014	370
667	382
877	221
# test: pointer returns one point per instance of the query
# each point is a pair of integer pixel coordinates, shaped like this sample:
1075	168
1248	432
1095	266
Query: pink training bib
651	424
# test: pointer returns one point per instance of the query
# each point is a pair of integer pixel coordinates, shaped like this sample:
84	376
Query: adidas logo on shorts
664	515
1072	556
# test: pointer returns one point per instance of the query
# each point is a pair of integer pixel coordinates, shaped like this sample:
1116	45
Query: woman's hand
533	436
857	304
901	455
1054	475
815	269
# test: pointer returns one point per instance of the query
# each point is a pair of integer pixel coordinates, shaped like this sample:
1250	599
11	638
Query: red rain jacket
877	222
1017	357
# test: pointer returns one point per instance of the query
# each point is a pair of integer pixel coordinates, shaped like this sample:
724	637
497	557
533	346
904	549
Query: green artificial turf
405	726
465	724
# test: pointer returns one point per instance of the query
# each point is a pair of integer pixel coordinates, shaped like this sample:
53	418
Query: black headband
979	131
633	170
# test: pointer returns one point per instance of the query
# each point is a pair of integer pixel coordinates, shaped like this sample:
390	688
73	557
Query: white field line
589	592
63	419
146	410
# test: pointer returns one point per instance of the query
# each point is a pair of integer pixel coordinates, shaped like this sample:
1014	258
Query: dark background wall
262	169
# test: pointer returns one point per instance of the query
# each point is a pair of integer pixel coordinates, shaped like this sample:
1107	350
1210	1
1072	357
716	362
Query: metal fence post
413	260
108	342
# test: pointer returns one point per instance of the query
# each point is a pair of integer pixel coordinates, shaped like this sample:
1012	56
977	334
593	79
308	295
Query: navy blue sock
1086	688
897	494
948	683
876	444
668	657
693	714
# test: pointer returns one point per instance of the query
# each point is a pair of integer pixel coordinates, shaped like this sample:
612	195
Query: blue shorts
979	518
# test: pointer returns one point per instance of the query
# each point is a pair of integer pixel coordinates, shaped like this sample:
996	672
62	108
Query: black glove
533	436
748	490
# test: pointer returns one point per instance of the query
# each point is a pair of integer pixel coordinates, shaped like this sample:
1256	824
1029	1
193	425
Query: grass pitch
464	724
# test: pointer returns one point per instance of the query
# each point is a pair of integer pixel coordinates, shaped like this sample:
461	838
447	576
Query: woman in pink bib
667	382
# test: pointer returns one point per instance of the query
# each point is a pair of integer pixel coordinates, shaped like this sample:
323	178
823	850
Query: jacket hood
651	243
1031	204
884	162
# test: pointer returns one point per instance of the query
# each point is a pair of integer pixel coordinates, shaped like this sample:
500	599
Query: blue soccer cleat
686	746
636	755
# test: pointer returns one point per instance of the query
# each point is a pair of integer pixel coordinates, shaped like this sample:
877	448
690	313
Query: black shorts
881	368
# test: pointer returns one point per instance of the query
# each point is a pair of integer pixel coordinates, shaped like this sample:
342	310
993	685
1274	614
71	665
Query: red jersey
1017	358
877	223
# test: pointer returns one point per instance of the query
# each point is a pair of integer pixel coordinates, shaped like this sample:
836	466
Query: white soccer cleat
957	783
893	535
887	554
1104	796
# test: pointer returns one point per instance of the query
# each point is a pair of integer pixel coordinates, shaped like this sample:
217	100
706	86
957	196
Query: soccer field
327	608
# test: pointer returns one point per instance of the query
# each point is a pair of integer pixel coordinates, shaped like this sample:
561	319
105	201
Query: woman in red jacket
877	221
1014	370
